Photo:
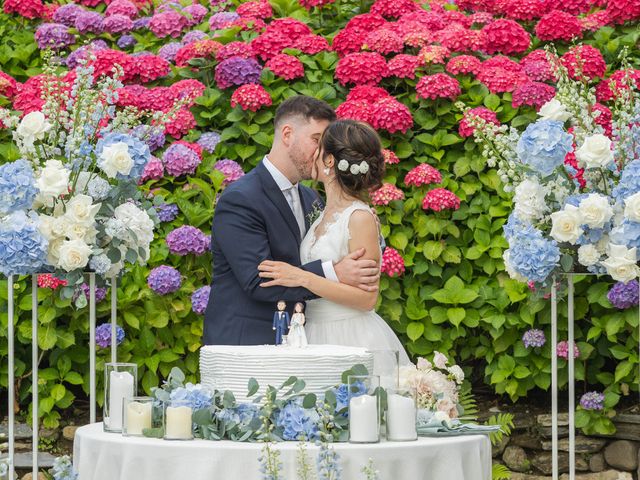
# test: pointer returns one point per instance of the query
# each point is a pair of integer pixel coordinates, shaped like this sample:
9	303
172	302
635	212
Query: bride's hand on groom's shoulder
282	274
358	272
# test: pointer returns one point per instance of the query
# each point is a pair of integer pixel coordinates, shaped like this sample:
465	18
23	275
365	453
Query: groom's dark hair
305	107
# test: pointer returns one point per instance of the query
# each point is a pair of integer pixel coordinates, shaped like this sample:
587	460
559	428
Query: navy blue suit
253	222
281	322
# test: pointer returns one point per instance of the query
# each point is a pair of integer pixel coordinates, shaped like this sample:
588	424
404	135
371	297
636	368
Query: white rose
457	373
588	255
621	264
53	180
595	152
566	225
529	200
554	110
32	127
439	360
81	231
115	159
53	254
595	210
73	254
632	207
80	209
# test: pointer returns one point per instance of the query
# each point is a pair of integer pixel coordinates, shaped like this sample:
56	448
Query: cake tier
229	367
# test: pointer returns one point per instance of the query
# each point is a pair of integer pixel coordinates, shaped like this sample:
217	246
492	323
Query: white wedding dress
329	322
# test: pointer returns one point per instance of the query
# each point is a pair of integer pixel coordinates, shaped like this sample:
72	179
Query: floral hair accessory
361	168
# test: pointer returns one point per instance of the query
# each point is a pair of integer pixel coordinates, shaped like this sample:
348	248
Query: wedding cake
229	367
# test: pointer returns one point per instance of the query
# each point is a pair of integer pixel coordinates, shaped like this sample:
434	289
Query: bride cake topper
297	336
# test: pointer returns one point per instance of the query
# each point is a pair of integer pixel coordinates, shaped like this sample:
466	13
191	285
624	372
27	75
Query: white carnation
440	360
588	255
595	210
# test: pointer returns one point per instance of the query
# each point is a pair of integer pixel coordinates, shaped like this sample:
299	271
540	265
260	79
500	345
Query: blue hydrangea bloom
513	225
575	199
63	469
138	150
23	249
533	256
242	414
544	145
17	186
629	183
592	235
103	335
627	233
196	396
342	396
298	423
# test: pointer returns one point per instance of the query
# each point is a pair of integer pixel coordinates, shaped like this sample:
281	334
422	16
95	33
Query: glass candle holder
386	365
137	415
177	420
401	415
364	408
120	382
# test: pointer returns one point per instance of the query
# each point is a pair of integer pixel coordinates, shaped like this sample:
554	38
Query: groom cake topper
281	321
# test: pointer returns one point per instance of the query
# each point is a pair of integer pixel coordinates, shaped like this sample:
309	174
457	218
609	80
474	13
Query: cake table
99	455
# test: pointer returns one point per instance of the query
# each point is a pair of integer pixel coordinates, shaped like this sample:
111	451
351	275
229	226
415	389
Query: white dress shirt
290	190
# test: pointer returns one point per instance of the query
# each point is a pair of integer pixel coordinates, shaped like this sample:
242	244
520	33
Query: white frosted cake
229	367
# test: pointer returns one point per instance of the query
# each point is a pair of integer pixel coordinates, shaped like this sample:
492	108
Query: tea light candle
121	385
363	419
178	423
138	417
401	418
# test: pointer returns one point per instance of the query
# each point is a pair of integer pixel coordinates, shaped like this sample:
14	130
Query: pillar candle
401	418
363	419
120	387
138	417
178	423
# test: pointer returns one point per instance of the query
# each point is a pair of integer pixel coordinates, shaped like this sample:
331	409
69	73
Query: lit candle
178	423
120	386
363	419
138	417
401	418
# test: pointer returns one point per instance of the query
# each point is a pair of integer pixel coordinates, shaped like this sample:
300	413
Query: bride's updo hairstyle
359	163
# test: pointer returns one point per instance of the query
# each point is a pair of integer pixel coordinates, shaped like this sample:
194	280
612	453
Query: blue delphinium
17	186
544	145
627	233
138	150
328	463
23	249
533	256
197	396
629	183
297	422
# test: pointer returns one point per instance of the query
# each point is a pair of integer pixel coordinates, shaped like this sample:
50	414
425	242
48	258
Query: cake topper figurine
281	321
297	336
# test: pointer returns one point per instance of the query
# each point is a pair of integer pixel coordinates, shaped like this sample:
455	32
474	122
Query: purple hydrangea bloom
99	44
140	23
533	338
167	212
624	295
169	51
180	160
101	293
67	14
89	22
592	401
209	141
117	24
195	13
200	298
237	71
54	35
193	36
103	335
164	279
231	170
73	59
126	41
187	239
168	7
154	138
221	20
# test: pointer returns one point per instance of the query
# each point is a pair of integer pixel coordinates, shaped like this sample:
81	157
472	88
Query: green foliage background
455	296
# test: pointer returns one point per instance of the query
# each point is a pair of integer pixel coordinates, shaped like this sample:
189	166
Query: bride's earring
326	171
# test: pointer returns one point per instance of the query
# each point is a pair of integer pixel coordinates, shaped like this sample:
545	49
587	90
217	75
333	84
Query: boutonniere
316	210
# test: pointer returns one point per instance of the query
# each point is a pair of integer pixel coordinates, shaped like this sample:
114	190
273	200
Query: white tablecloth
108	456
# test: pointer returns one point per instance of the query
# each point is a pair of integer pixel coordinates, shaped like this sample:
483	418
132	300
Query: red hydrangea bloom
286	66
505	36
348	41
571	161
386	194
433	21
604	90
595	21
366	22
621	11
260	9
248	24
393	8
440	199
28	99
460	39
423	174
404	66
536	66
439	85
311	44
188	87
463	65
368	93
585	60
390	158
574	7
105	60
270	44
499	79
251	97
8	85
503	62
481	18
466	129
46	280
158	98
604	118
290	27
121	7
450	17
534	94
25	8
234	49
362	68
309	4
355	110
181	124
558	25
153	170
383	41
198	49
169	23
132	96
151	67
391	115
433	54
525	9
392	262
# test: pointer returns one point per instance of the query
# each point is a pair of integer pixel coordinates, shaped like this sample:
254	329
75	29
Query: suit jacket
281	321
252	222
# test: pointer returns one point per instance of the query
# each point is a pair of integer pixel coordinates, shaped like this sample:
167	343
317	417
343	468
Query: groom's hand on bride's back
358	272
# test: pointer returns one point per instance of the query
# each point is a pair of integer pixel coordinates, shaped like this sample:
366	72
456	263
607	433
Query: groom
264	215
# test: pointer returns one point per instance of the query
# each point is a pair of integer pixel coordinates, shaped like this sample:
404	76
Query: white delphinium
529	199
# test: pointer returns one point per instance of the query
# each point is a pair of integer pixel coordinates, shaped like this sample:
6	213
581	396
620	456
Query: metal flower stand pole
34	360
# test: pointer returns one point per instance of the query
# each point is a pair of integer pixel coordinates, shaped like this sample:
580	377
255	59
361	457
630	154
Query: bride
349	163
